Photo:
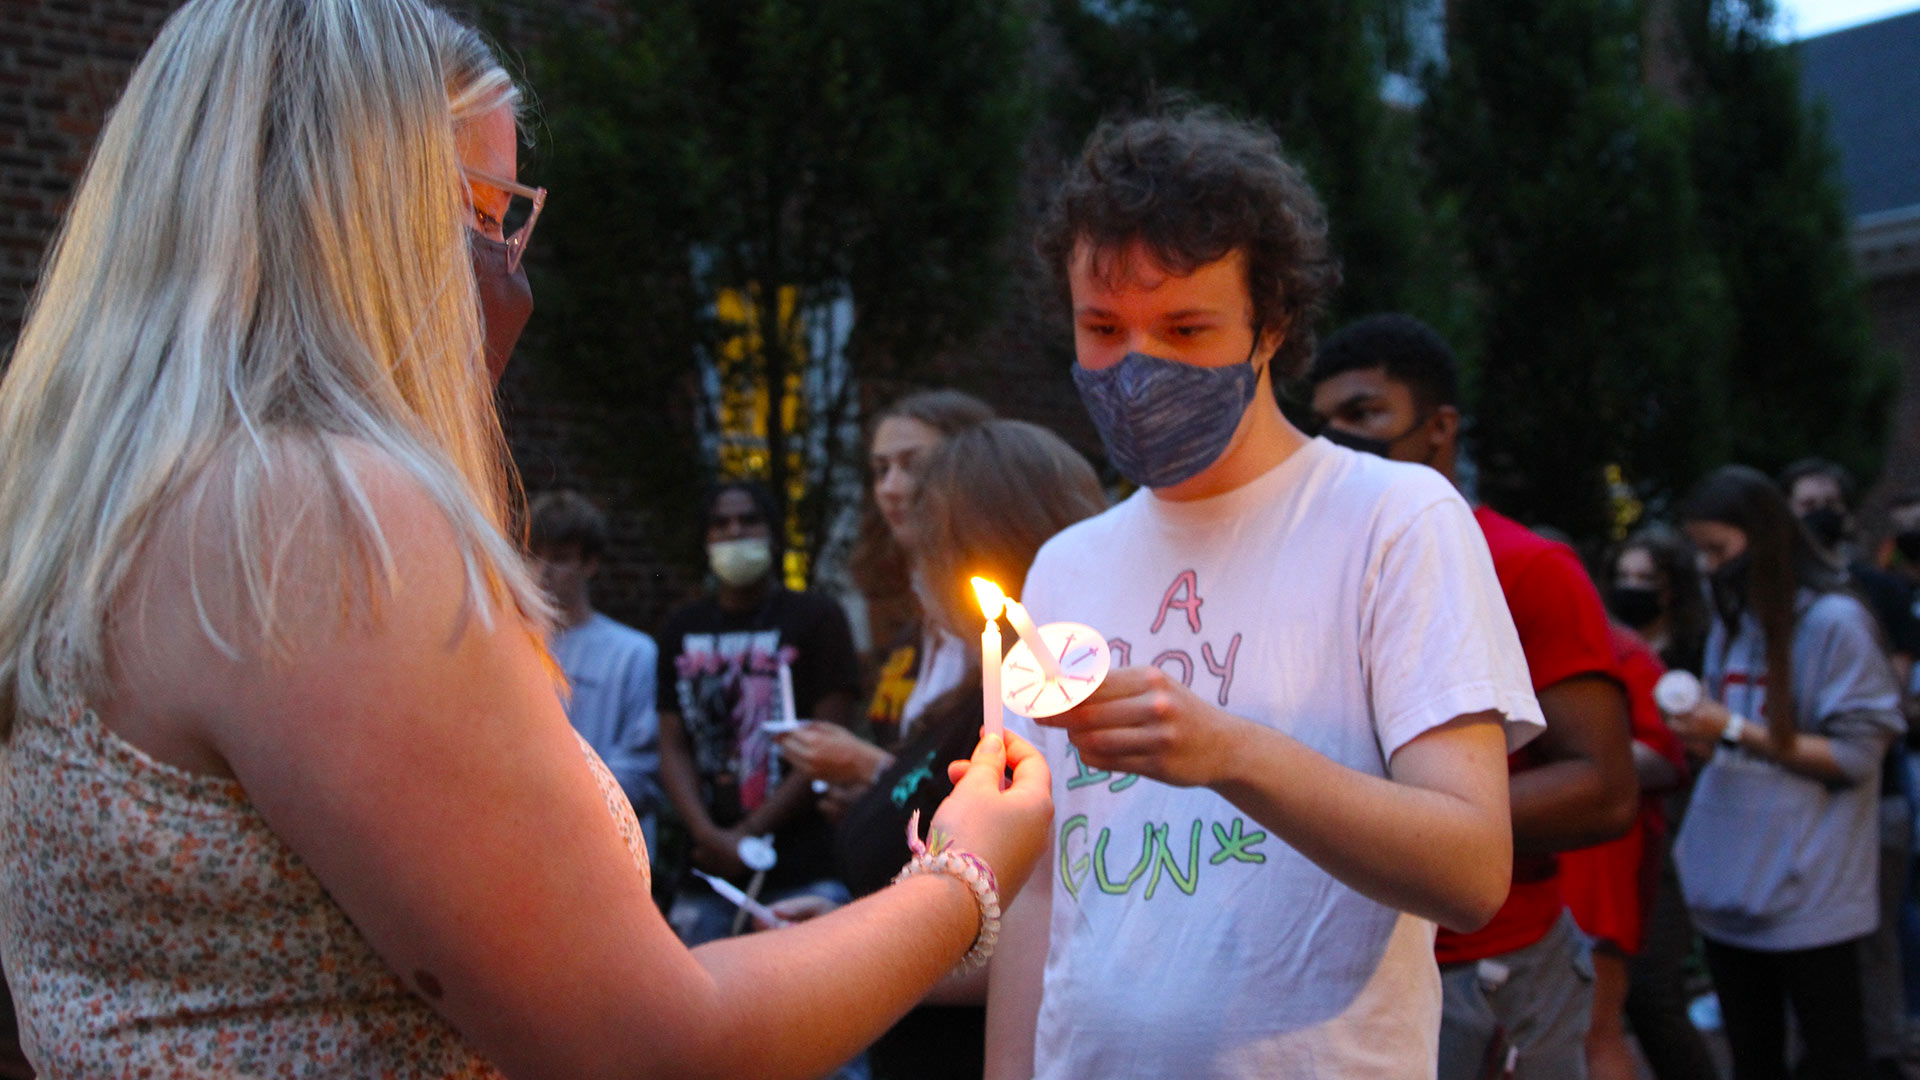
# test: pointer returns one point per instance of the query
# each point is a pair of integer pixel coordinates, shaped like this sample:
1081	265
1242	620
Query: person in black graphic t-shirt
719	685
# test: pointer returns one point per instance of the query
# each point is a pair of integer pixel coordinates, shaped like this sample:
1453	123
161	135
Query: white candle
787	712
1029	633
991	601
990	679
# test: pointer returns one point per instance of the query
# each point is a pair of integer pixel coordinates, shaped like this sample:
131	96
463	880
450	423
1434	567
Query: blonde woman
287	785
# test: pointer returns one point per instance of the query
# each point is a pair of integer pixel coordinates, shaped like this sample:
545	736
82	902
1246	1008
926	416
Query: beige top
152	924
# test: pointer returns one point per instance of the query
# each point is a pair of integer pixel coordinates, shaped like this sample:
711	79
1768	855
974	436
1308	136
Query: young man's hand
1143	721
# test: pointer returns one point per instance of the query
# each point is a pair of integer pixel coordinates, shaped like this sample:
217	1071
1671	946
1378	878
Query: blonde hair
267	253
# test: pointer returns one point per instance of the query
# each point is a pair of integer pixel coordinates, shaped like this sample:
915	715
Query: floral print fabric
153	925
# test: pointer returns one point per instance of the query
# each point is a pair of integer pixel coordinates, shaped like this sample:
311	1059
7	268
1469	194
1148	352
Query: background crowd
1679	596
242	417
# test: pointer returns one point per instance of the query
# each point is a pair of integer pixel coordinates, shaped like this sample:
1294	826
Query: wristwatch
1736	724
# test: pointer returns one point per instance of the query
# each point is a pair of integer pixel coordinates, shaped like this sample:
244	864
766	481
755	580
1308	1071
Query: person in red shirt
1518	993
1610	887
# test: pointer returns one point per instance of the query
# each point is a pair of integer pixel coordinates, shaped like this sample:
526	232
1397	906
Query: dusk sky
1807	18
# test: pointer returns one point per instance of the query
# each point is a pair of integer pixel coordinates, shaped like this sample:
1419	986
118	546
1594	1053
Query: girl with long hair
1778	855
286	783
987	498
918	661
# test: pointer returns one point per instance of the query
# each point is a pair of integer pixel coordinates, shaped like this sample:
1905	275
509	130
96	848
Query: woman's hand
1006	828
1701	728
832	753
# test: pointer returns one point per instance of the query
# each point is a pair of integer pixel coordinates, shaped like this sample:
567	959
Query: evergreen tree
757	202
1804	375
1312	71
1602	317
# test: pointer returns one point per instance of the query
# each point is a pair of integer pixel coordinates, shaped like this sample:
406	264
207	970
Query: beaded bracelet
939	856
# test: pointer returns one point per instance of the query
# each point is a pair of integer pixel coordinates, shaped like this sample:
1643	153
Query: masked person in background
1778	853
1519	989
1653	587
1821	495
719	684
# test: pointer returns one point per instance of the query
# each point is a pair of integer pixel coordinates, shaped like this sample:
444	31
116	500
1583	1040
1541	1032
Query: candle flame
991	598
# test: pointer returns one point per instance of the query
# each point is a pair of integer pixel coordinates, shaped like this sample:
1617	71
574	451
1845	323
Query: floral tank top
153	925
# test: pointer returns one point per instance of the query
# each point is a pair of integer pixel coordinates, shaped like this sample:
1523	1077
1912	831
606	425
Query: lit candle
1029	633
991	601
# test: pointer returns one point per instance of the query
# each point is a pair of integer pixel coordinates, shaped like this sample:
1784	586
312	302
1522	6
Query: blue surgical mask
1164	422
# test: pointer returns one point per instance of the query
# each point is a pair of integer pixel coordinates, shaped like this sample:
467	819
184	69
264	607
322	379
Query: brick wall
62	64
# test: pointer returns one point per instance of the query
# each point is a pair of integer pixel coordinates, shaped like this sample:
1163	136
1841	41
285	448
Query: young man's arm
1014	978
1585	790
1434	839
1581	788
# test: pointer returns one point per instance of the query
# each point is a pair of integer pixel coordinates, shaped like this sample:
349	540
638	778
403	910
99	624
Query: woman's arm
421	765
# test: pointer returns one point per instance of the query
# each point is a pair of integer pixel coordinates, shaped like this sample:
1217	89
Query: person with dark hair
1821	495
1778	851
1386	384
1654	588
986	499
719	687
610	667
1295	767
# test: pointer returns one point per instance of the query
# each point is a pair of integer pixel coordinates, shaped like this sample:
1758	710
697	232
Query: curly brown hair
1194	185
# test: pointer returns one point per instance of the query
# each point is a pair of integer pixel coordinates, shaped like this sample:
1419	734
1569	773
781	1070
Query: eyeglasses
515	222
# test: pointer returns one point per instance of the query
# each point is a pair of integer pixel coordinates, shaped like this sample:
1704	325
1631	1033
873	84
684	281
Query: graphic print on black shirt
728	685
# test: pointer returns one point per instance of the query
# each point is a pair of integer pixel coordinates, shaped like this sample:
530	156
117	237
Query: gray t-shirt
610	667
1772	860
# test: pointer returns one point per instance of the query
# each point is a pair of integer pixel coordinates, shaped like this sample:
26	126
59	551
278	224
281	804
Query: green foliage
1313	71
858	152
1602	317
1805	376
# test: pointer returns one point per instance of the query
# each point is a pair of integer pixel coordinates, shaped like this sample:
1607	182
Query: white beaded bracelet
939	856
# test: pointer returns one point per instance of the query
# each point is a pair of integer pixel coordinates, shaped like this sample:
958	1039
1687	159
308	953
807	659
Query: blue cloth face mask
1164	422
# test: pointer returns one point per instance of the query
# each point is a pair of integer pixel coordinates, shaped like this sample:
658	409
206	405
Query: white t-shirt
943	665
1345	600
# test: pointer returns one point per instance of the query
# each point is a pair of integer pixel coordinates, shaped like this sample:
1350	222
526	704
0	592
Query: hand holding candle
1049	670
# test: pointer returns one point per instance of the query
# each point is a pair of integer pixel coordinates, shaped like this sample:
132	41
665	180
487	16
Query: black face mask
1827	526
1367	444
1909	545
1635	605
1729	586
